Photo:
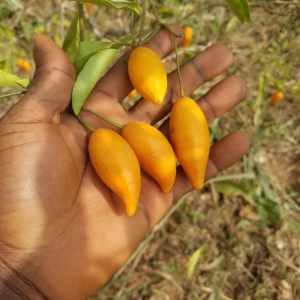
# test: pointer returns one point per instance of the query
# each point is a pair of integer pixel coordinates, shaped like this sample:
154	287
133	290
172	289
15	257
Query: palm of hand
63	221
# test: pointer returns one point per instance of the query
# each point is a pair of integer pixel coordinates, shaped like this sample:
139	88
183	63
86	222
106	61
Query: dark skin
61	228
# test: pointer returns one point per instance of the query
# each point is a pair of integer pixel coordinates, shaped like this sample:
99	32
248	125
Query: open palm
63	229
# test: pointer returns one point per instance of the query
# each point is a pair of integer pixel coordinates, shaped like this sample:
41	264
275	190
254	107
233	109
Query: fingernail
248	136
32	43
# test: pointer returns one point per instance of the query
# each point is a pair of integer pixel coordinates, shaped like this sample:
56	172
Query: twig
143	22
103	118
81	25
178	67
209	290
13	94
119	43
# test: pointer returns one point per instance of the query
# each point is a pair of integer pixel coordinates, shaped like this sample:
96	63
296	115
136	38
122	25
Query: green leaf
268	212
230	188
7	79
237	8
24	82
85	51
193	260
127	5
89	76
261	91
72	39
246	8
5	33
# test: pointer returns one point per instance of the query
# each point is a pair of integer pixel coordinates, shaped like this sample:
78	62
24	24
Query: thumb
51	89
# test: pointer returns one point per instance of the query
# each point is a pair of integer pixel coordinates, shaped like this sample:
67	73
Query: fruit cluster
117	160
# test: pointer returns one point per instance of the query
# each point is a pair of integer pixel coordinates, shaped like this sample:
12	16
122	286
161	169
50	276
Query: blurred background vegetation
239	237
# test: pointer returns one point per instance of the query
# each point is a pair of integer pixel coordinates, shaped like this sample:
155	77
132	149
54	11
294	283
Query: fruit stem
103	118
13	94
120	43
131	24
151	35
143	23
81	25
86	125
178	68
166	26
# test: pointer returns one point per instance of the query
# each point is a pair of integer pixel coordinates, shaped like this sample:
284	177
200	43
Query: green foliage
72	39
241	9
7	79
268	212
193	260
89	76
85	51
127	5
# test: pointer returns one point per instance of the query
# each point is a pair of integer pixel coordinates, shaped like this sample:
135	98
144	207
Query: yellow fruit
5	69
276	97
190	140
20	63
117	166
132	94
188	36
148	75
153	151
27	66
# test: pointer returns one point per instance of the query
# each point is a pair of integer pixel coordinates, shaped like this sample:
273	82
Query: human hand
62	230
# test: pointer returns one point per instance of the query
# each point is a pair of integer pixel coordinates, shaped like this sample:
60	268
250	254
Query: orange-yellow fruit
27	66
190	140
153	151
132	94
148	75
188	36
117	166
88	8
5	69
276	97
20	63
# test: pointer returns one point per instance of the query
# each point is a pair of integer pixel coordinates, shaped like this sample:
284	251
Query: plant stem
178	68
13	94
131	24
120	43
81	25
86	125
143	22
151	35
166	26
155	12
103	118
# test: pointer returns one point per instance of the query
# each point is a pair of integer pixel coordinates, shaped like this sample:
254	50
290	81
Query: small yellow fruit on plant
27	66
188	36
132	94
276	97
148	75
20	63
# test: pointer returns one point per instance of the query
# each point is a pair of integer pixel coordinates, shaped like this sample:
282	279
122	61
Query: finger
222	155
116	83
221	98
206	65
51	88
